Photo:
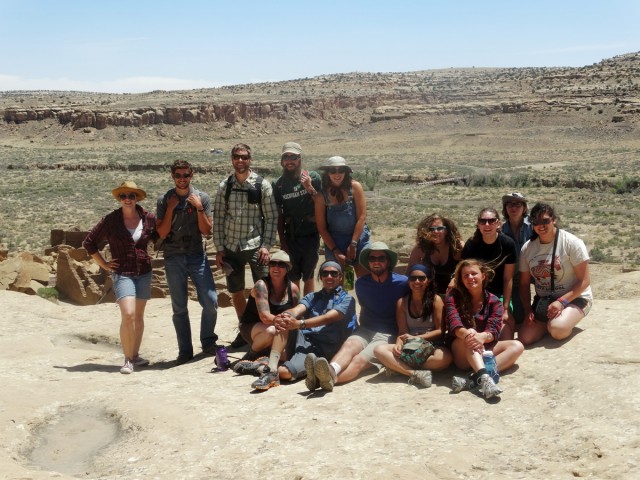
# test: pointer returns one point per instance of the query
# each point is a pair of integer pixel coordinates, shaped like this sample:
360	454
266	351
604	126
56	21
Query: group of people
457	300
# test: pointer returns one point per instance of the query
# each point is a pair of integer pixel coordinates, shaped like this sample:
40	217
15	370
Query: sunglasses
542	221
130	196
487	221
290	158
336	170
514	204
417	278
377	258
329	273
278	264
240	157
437	229
180	176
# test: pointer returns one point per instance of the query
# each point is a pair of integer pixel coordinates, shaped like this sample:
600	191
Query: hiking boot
256	368
267	380
210	351
183	358
325	374
238	342
420	378
488	387
311	382
127	368
138	361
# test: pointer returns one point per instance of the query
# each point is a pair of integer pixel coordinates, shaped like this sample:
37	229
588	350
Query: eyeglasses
180	176
377	258
290	158
487	221
437	229
329	273
130	196
417	278
278	264
336	170
514	204
235	156
542	221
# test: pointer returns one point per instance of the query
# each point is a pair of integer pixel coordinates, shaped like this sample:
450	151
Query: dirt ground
569	409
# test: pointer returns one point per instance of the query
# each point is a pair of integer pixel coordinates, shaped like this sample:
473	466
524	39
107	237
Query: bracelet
334	249
564	302
201	209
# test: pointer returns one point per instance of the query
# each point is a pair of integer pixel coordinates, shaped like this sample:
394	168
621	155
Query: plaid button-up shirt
132	257
240	227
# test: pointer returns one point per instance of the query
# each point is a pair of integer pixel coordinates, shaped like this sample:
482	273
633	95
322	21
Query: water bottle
490	365
349	277
222	361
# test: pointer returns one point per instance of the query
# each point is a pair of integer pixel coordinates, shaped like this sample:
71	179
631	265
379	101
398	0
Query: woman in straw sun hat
128	231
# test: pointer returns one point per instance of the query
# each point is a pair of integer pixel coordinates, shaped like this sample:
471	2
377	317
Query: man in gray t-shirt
184	217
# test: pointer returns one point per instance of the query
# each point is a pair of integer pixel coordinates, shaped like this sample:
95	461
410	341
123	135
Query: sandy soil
569	409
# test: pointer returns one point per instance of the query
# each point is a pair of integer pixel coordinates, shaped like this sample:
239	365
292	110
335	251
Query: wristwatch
354	243
303	324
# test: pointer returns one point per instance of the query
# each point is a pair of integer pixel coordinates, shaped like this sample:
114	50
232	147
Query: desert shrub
626	185
48	293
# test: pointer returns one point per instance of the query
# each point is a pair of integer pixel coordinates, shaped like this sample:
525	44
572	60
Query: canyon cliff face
611	83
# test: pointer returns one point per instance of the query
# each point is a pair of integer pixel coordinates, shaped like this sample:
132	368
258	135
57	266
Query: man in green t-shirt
293	193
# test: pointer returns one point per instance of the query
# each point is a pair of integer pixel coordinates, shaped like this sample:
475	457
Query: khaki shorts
370	340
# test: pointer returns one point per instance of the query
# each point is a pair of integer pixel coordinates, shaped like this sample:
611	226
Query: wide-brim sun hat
281	256
129	186
334	162
514	197
364	255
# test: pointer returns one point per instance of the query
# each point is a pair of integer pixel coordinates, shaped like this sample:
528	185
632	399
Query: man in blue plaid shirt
244	225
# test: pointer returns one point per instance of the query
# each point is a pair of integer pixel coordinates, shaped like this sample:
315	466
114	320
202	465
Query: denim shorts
139	287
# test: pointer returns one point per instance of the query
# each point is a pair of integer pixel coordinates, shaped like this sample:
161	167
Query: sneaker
311	381
325	374
245	367
267	380
127	368
183	358
488	387
238	342
138	361
420	378
459	384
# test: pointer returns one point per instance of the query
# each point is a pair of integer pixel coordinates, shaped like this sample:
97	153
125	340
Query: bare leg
465	358
357	365
562	326
239	302
127	325
262	336
507	353
309	286
139	326
531	332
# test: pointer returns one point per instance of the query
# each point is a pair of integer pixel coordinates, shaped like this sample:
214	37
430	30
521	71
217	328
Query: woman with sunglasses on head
419	317
518	227
341	214
498	251
474	319
128	231
558	263
269	297
438	244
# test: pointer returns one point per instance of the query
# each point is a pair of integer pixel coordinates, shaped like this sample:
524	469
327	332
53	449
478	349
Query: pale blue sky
143	45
